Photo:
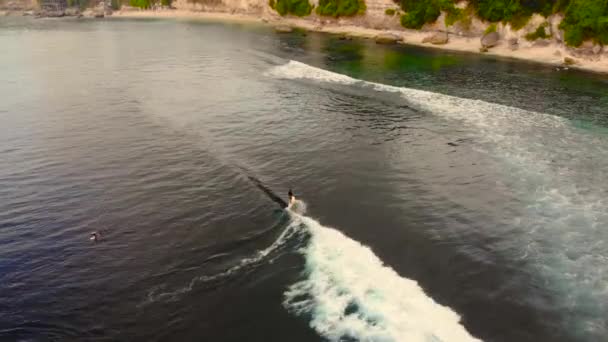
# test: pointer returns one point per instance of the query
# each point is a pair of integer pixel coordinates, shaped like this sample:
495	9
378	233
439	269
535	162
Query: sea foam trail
350	294
267	254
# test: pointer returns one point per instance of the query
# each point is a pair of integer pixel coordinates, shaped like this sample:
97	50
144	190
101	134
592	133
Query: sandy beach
552	54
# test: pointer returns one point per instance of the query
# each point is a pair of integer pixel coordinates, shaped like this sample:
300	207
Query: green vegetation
540	33
337	8
490	29
420	12
389	11
115	4
585	19
299	8
140	3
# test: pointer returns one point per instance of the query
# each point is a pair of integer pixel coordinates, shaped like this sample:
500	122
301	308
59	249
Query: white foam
297	70
350	294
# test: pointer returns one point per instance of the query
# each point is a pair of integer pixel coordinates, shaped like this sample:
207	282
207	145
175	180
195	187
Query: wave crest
351	295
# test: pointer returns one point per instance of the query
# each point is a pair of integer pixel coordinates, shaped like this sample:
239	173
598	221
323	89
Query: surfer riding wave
294	205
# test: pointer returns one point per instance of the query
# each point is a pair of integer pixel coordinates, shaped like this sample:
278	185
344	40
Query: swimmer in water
292	199
95	236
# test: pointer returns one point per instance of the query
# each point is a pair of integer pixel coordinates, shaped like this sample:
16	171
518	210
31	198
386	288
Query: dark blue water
445	196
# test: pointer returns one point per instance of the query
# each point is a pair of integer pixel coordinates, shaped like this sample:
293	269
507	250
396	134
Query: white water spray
350	295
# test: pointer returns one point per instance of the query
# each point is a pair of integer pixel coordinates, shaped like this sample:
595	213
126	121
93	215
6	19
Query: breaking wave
350	295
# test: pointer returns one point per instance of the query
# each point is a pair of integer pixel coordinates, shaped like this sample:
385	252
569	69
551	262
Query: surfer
292	199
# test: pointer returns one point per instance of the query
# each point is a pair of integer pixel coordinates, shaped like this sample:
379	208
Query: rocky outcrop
387	38
589	51
439	38
489	40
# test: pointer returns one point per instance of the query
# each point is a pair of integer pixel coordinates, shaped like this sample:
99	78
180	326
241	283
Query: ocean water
441	196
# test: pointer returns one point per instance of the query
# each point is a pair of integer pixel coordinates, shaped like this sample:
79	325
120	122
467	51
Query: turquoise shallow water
449	196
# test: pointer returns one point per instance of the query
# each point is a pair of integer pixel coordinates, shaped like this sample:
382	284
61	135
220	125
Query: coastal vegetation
490	29
340	8
298	8
540	33
583	19
140	3
143	4
420	12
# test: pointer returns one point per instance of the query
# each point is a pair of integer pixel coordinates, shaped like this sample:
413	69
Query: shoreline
552	54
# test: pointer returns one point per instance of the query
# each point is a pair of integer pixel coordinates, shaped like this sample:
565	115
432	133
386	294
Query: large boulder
570	61
490	39
439	38
387	38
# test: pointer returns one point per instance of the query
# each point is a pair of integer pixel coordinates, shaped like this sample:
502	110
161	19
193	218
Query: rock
569	61
108	11
387	38
98	14
264	20
588	50
283	29
557	53
490	39
439	38
28	13
55	14
483	49
72	11
513	44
